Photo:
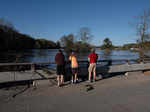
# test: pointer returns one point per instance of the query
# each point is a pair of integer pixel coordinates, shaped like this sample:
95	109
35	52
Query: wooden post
127	62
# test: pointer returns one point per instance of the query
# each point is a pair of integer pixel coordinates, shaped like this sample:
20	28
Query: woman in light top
74	67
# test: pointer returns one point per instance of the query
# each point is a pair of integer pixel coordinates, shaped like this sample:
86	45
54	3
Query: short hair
92	50
59	50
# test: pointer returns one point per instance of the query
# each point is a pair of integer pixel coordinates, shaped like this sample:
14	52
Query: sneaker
77	81
94	80
88	81
72	81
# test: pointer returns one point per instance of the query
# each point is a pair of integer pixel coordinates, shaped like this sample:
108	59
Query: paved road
116	94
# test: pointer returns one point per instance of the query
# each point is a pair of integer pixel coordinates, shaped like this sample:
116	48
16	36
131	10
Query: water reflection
12	56
48	55
144	54
106	54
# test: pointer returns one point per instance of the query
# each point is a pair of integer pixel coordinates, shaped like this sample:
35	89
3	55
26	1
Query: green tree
11	39
44	44
81	47
129	46
107	44
67	42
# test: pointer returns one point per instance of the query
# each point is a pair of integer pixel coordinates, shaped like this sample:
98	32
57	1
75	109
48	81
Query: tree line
11	39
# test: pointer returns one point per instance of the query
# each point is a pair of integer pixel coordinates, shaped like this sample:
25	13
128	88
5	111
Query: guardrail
12	74
32	66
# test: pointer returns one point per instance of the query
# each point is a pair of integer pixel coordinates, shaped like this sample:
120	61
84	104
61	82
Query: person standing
74	67
60	68
92	58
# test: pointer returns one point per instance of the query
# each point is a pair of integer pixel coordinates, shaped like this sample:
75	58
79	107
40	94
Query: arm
69	58
64	59
56	57
89	58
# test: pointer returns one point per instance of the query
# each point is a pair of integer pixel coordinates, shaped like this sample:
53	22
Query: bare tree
143	26
67	41
85	35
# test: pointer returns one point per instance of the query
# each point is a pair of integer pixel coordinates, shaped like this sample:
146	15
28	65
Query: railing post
127	62
109	63
141	61
144	60
33	67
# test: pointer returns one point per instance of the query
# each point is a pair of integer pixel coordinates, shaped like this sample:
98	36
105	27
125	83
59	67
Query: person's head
93	50
60	50
72	53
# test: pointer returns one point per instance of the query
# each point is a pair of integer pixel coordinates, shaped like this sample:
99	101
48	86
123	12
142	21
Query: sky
52	19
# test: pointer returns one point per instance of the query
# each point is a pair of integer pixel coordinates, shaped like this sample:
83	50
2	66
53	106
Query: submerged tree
143	30
85	35
79	43
107	44
143	26
67	42
84	38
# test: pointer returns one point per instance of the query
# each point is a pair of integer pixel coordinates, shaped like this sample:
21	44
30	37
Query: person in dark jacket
60	68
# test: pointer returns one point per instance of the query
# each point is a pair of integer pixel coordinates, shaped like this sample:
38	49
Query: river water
48	55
